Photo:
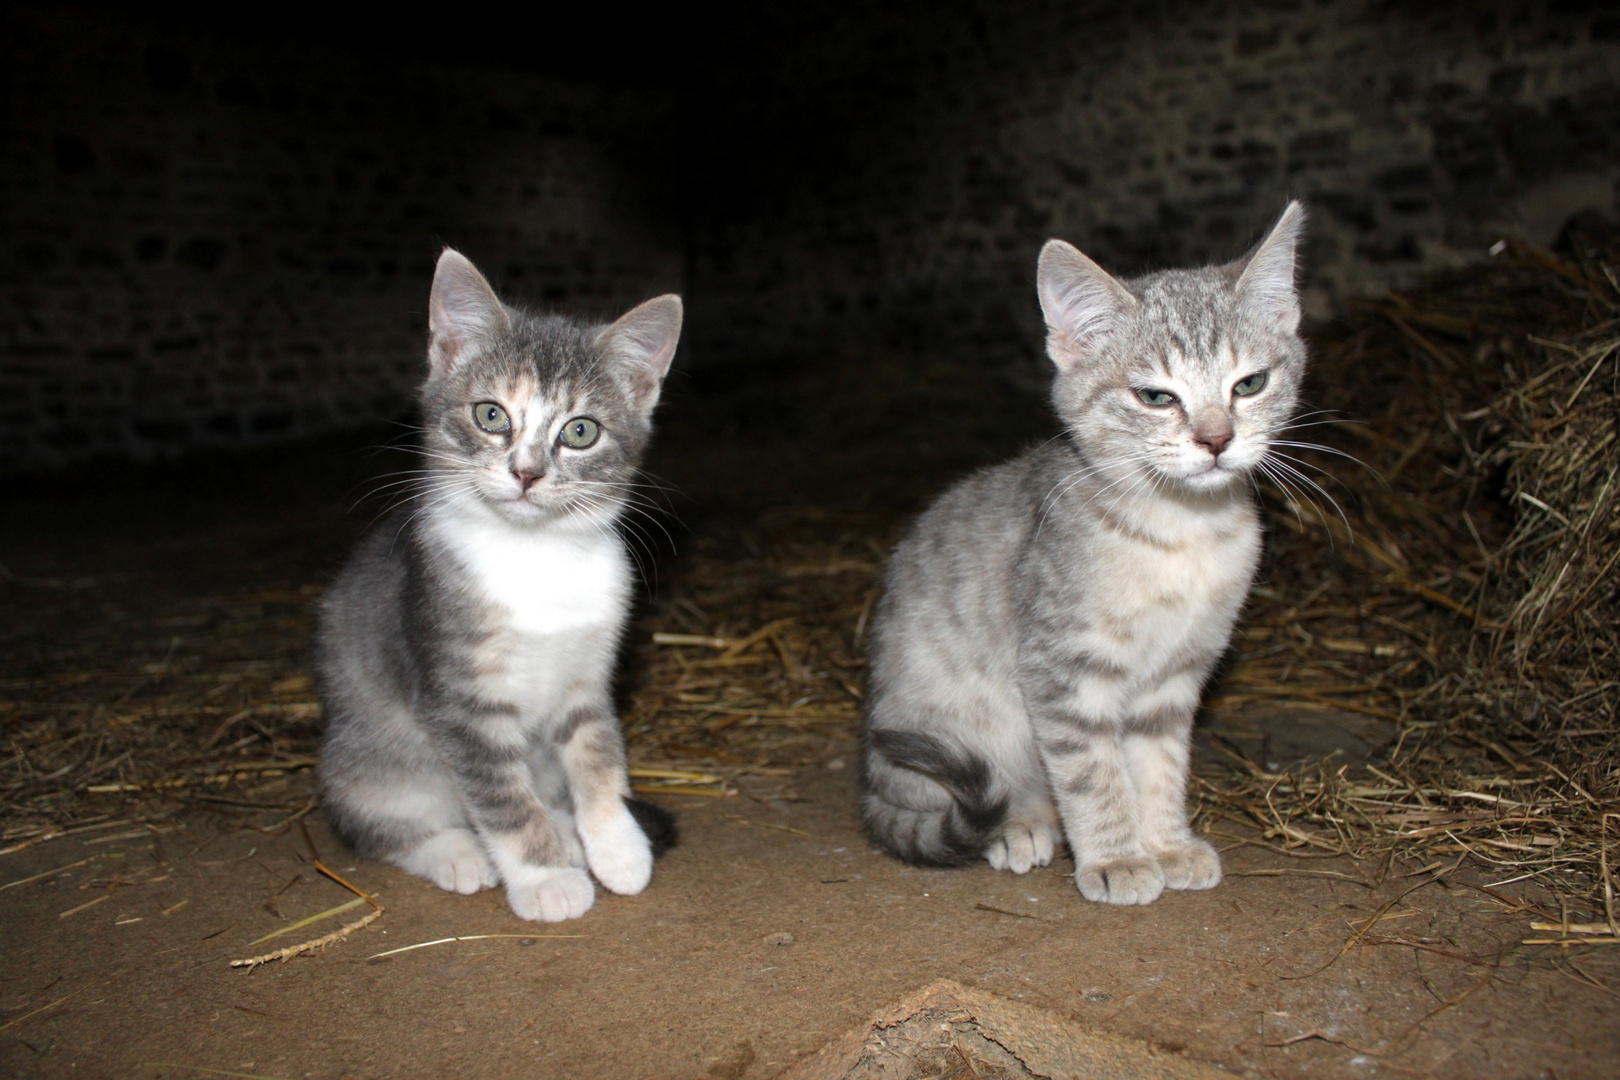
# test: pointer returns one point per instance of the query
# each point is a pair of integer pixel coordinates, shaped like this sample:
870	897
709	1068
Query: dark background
218	223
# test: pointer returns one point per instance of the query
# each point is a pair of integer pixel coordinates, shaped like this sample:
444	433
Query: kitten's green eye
1156	398
579	433
491	417
1250	386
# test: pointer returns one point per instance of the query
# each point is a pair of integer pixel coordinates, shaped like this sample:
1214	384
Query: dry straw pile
1466	595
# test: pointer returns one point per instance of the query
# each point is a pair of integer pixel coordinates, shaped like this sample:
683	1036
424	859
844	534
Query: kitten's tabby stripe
578	718
957	835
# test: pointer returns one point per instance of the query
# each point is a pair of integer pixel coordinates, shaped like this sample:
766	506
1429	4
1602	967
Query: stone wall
211	239
895	176
208	240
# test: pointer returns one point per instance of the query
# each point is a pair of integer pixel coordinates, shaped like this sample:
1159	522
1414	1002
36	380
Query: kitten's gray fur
465	653
1047	625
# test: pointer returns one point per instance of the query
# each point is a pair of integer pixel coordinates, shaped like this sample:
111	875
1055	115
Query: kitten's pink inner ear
1266	284
462	309
1081	302
642	343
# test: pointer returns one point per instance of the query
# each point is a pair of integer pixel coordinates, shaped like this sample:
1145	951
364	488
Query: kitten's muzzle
1212	429
527	478
1213	441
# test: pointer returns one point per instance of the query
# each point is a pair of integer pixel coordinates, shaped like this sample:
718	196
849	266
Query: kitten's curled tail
952	836
657	822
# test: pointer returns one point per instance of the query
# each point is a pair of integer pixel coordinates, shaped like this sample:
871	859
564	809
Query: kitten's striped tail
952	836
657	822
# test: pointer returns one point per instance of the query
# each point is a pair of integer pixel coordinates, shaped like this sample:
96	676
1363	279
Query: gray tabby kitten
465	653
1047	626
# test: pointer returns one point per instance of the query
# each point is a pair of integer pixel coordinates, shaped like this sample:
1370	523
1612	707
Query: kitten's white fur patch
549	893
550	580
1022	846
1192	865
433	804
619	855
453	860
1133	880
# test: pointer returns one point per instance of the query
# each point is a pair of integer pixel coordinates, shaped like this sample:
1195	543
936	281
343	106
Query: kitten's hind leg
453	860
403	811
531	845
1028	840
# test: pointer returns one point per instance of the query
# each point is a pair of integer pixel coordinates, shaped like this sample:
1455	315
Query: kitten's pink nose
1213	441
526	478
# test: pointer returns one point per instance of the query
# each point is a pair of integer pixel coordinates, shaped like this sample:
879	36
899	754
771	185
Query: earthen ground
771	934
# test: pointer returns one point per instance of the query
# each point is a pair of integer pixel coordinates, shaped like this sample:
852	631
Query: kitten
1048	624
464	655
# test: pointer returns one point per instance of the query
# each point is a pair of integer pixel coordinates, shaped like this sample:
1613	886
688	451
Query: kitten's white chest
1162	603
547	582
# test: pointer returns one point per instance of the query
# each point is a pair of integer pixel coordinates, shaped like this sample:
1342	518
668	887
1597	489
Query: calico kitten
1047	626
464	654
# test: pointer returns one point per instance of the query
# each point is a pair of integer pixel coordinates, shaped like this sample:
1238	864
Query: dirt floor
160	615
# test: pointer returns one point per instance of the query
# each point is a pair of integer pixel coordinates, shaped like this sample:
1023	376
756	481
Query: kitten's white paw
620	856
453	860
1191	865
550	893
1121	881
1022	846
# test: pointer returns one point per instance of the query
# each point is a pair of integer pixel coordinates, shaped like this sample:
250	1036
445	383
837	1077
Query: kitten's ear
1080	300
642	343
1265	284
462	310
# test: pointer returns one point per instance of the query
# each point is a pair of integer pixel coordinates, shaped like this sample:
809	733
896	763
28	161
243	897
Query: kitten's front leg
488	753
1156	755
616	849
1085	762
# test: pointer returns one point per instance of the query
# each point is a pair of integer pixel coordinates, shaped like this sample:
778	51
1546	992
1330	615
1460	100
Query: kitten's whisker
1044	443
1280	457
657	521
1323	412
1326	450
1078	476
1295	484
1281	486
398	441
1303	479
1376	475
661	483
405	481
1134	474
1317	423
1291	500
632	499
1149	478
435	455
628	491
395	503
635	543
1068	484
629	522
